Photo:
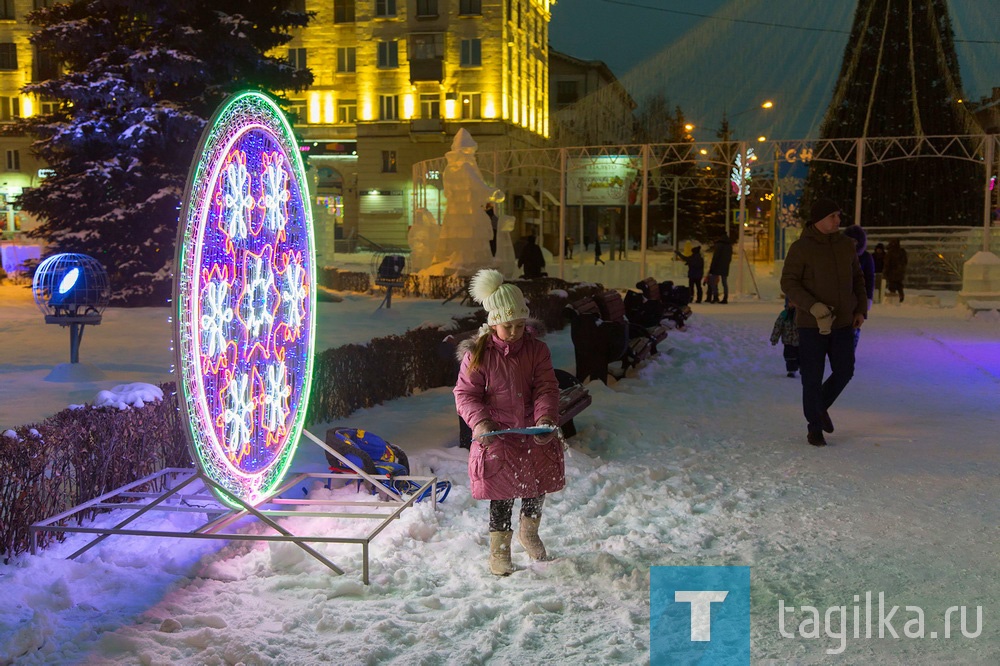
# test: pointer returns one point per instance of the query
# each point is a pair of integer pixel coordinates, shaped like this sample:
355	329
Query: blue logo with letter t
699	615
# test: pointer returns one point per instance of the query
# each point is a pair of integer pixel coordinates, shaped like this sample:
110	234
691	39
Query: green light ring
220	136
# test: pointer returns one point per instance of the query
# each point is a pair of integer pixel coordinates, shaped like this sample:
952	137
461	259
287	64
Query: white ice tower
463	246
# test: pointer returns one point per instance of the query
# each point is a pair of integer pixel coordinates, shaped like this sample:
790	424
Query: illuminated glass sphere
71	285
244	295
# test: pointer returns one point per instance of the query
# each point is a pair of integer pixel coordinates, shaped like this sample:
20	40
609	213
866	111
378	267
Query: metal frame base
267	510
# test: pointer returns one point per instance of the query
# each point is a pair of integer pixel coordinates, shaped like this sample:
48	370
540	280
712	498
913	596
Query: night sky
786	50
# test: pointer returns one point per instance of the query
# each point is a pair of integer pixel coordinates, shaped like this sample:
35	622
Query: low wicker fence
79	454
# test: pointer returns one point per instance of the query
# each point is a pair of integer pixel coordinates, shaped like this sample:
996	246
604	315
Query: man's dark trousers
814	349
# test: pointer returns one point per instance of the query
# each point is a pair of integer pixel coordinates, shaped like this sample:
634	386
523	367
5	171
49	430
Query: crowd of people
508	393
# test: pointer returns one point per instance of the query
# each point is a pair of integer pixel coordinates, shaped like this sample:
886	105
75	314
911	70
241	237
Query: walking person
597	251
878	257
860	238
784	330
895	268
696	269
822	276
722	257
506	381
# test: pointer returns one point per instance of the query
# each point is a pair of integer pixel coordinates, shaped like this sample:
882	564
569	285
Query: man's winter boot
500	564
527	534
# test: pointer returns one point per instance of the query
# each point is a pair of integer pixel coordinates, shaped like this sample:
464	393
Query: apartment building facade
394	80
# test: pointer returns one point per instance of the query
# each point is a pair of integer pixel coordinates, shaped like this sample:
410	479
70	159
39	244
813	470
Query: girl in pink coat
506	381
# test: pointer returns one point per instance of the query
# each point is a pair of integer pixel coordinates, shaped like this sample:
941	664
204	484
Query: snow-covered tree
138	81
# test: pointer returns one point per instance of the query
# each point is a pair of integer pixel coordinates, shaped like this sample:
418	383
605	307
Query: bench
597	343
674	301
602	334
642	338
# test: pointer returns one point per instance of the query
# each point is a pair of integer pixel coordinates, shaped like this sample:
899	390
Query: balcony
428	69
427	129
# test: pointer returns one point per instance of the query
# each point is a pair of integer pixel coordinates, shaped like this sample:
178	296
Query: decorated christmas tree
900	78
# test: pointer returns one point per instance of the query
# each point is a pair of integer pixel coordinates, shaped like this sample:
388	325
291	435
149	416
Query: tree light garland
245	293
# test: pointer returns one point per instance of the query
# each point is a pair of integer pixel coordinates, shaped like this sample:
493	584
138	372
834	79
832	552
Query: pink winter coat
514	386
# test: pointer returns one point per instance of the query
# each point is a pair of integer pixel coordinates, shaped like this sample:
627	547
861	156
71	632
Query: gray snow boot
527	534
500	564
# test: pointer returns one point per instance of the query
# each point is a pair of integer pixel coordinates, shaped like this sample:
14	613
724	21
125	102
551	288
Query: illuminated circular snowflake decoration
245	296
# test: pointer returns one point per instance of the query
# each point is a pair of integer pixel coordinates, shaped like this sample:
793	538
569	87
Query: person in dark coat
722	257
895	268
531	259
494	221
597	251
878	257
860	238
696	270
822	276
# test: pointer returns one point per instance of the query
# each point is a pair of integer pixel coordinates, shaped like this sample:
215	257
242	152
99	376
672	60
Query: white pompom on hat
503	302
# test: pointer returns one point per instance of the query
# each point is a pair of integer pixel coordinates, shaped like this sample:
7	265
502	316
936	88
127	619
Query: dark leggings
501	511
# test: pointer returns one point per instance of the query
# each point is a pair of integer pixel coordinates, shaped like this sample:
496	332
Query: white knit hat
503	302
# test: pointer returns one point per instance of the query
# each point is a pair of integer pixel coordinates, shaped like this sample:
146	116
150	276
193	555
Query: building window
470	7
8	56
10	108
385	8
430	105
297	59
13	160
427	8
347	59
566	92
7	10
388	54
388	107
347	110
472	53
472	106
299	110
46	67
426	46
388	161
343	11
299	6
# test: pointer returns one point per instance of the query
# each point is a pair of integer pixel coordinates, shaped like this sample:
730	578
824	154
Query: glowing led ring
244	293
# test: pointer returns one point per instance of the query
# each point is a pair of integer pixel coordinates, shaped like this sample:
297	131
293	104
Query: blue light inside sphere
72	275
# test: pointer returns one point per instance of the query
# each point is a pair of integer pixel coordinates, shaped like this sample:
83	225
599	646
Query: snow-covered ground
699	457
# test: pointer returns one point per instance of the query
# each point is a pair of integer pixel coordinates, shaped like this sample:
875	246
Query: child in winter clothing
785	330
713	288
507	381
696	269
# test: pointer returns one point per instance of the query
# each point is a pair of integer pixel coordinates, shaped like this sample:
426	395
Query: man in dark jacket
722	256
531	259
823	277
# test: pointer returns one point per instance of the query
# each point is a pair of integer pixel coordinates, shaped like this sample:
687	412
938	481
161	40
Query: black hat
821	208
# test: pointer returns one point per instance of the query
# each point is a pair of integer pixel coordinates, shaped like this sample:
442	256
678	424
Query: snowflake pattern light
741	175
245	296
